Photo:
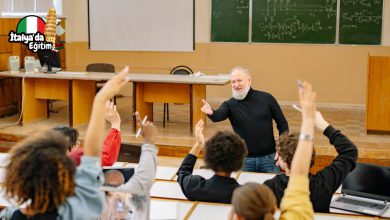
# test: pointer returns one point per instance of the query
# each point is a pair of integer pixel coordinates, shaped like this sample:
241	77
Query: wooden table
157	88
78	88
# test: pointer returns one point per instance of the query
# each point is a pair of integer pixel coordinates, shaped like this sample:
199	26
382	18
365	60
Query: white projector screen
141	25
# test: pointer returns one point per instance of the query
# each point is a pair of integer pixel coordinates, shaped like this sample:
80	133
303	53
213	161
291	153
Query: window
19	8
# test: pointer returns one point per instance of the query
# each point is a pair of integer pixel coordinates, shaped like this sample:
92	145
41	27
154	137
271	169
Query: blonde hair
254	201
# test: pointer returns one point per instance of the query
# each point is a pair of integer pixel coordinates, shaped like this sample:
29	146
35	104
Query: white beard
241	95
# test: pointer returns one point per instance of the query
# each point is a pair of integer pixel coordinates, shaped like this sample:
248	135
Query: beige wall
338	72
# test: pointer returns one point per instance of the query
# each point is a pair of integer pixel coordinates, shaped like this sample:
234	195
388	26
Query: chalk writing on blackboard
294	21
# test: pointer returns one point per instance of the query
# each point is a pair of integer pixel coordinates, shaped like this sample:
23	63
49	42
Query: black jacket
196	188
324	183
251	119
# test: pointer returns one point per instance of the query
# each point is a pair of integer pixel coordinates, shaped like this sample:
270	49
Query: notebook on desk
365	190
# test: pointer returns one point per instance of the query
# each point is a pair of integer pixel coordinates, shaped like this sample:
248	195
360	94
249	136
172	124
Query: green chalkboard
360	22
294	21
230	21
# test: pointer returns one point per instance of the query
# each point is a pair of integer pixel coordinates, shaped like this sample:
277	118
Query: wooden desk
78	88
151	88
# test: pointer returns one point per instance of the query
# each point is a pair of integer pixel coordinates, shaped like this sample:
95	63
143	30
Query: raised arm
334	174
296	202
145	173
186	180
199	139
94	137
112	143
300	164
87	203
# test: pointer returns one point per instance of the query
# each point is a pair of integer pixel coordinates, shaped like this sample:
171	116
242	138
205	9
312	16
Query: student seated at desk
224	153
115	206
111	145
254	201
141	182
44	180
326	181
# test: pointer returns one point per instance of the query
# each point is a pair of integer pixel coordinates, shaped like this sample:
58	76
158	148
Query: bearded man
250	113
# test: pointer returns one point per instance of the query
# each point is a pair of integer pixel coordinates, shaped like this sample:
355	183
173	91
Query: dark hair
69	132
286	148
225	151
39	172
254	201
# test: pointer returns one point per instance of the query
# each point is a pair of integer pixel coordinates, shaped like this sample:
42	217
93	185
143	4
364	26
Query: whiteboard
141	25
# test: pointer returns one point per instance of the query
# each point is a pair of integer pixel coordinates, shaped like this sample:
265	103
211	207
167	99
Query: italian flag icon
30	25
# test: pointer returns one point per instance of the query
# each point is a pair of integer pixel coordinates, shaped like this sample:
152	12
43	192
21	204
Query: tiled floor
350	121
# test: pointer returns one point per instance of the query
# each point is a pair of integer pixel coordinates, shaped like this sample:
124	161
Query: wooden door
378	94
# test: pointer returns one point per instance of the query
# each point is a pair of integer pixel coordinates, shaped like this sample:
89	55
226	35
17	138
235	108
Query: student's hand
206	108
113	86
307	99
320	122
199	137
276	158
113	116
148	130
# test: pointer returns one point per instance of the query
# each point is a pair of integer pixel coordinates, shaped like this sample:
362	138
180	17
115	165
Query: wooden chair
101	68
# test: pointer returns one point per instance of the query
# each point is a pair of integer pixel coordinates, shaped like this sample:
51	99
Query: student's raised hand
199	137
148	130
113	86
112	115
206	108
320	122
307	99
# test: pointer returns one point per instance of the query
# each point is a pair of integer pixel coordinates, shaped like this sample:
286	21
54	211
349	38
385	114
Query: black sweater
196	188
251	118
324	183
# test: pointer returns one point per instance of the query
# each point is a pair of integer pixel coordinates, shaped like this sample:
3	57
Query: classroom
201	75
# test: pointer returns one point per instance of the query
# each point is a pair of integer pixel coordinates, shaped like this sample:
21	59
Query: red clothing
111	147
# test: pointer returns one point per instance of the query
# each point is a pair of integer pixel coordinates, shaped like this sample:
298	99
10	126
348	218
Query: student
42	178
72	134
112	143
141	182
115	206
253	201
325	182
224	153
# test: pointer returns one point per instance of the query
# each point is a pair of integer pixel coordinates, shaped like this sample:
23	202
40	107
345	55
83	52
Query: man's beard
241	95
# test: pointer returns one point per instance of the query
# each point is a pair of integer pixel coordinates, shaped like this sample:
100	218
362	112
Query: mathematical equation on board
365	12
241	8
365	3
281	20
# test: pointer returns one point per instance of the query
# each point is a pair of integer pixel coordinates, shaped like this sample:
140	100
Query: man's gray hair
241	69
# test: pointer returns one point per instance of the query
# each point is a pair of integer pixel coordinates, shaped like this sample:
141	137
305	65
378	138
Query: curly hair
225	151
286	148
39	172
254	201
70	133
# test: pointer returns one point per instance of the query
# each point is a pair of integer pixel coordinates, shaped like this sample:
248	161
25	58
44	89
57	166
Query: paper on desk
163	210
198	74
